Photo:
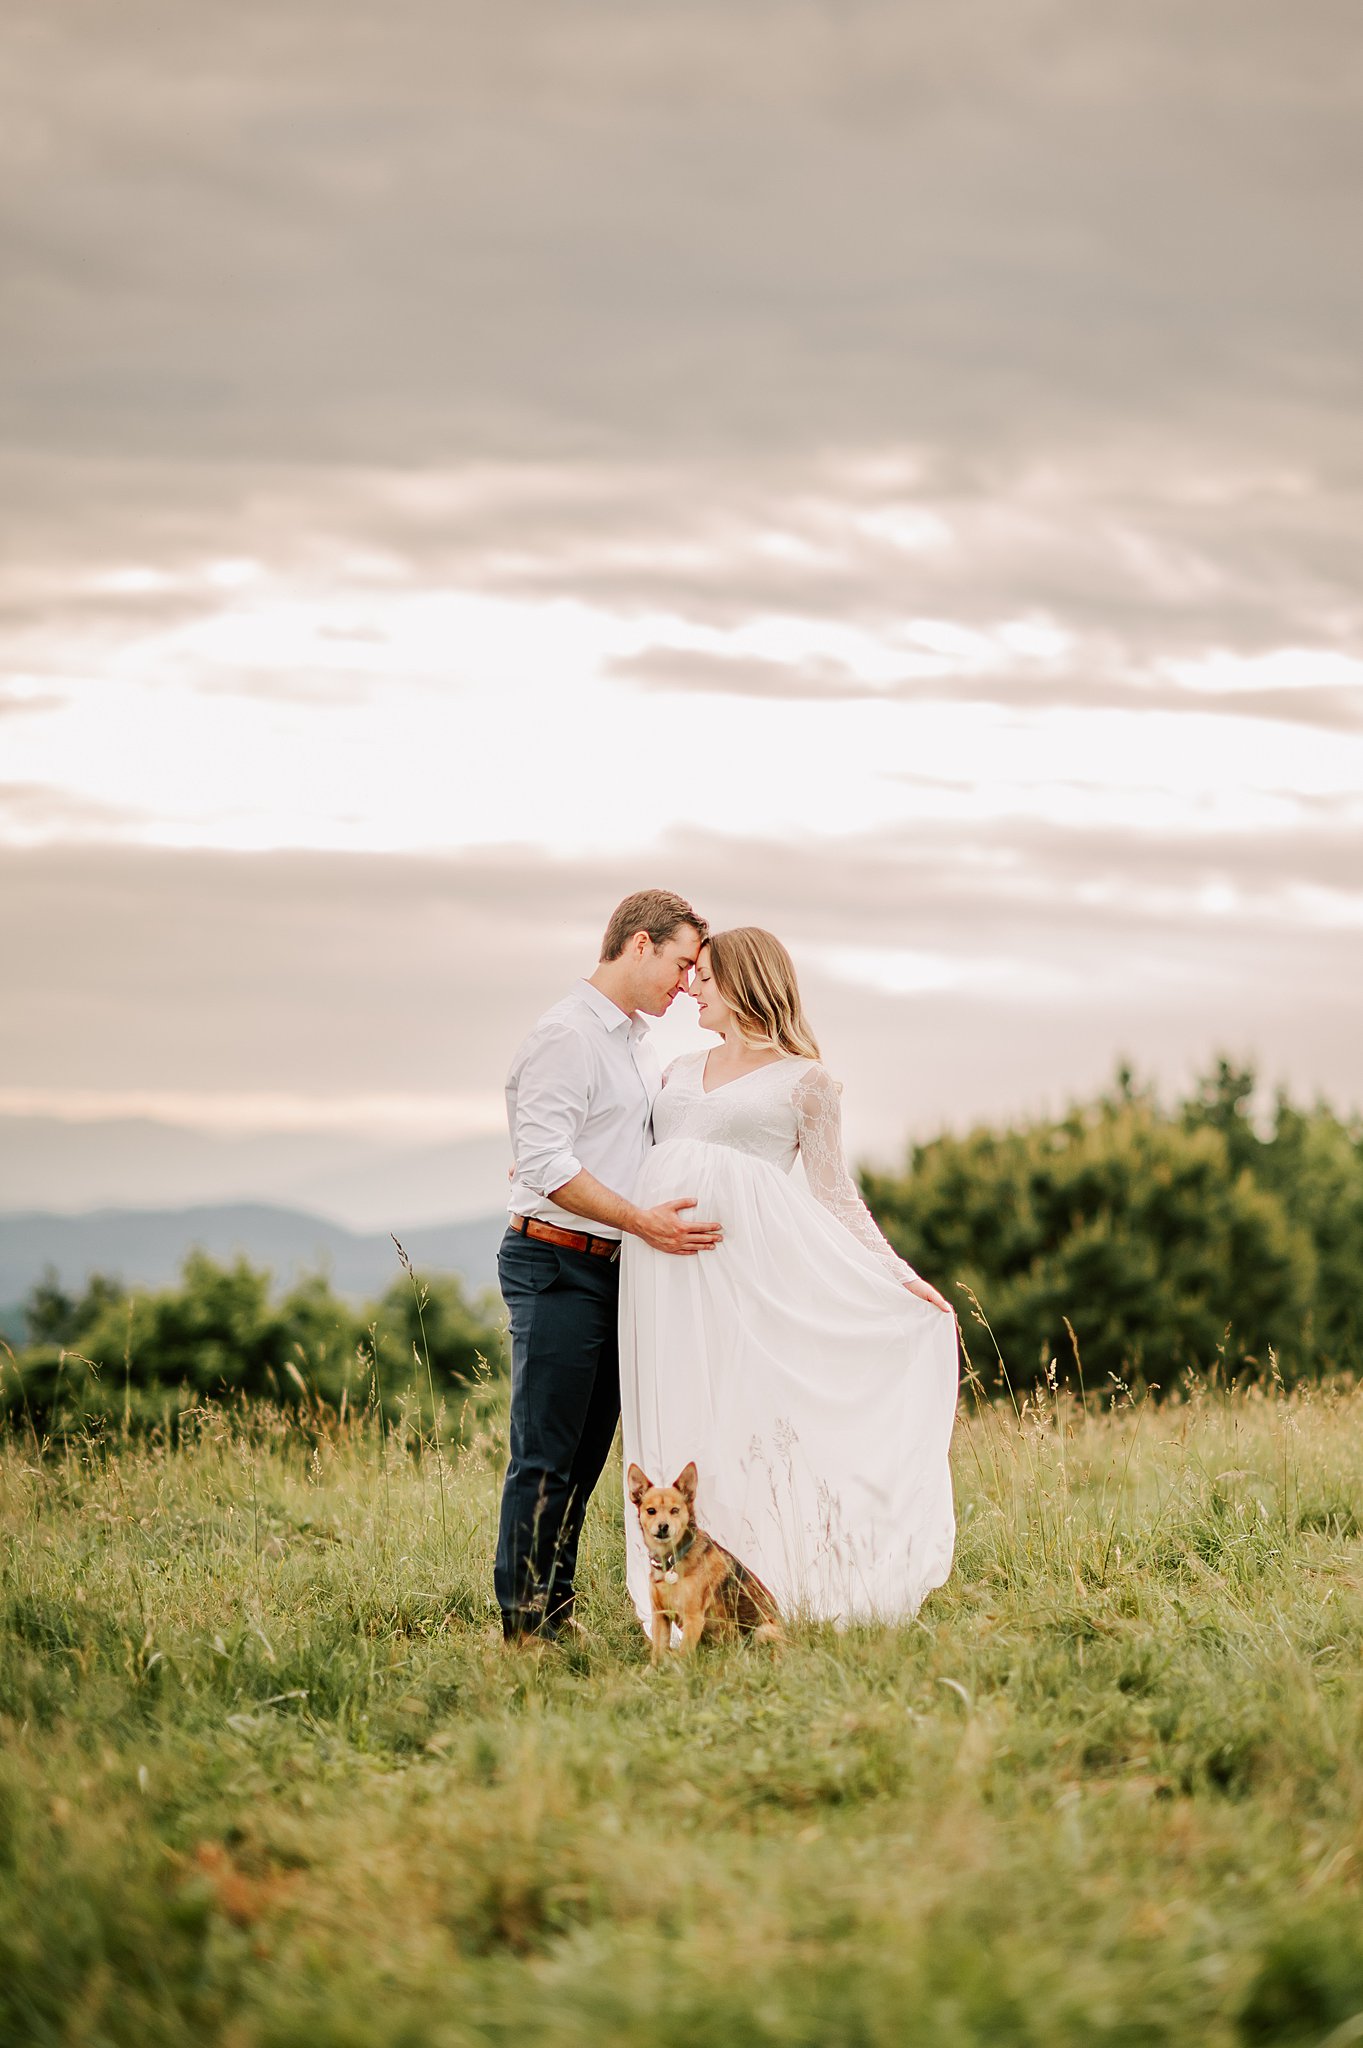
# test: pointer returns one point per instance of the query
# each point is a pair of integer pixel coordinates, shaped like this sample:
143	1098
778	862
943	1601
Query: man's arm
662	1227
551	1103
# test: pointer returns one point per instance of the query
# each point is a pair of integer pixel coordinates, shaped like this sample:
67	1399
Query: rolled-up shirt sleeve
549	1098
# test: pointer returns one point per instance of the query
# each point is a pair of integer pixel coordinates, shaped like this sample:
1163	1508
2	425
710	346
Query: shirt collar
611	1015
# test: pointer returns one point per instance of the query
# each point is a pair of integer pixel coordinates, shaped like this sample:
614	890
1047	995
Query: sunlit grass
268	1775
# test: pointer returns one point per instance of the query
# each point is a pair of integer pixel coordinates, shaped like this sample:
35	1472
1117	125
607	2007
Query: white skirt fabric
815	1395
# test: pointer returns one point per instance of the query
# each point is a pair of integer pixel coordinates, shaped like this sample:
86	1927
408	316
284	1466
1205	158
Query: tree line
1127	1243
113	1355
1133	1242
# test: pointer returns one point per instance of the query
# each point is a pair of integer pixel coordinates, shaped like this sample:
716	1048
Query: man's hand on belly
662	1227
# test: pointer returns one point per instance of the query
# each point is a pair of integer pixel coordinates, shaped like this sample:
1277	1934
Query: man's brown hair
655	911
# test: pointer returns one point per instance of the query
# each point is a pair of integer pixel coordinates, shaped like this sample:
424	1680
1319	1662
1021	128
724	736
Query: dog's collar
662	1567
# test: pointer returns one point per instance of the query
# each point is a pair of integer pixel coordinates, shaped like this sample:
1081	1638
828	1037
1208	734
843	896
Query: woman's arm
818	1115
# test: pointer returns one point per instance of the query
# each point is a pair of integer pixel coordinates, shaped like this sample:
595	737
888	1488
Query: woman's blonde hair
755	975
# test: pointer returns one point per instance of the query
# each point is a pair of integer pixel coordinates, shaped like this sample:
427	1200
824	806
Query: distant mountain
147	1247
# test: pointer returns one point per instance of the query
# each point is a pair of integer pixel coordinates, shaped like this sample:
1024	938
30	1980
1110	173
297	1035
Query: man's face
664	971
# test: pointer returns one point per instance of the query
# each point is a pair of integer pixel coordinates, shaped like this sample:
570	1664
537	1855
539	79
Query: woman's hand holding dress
819	1119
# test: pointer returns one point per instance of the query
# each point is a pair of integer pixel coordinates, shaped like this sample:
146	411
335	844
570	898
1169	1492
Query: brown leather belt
567	1240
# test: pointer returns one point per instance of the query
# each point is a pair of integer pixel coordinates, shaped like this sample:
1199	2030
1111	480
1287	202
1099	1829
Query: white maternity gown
815	1395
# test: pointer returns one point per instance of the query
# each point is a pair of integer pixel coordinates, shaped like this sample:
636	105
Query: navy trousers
565	1402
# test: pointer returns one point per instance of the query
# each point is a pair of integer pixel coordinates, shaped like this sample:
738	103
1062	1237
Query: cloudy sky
894	474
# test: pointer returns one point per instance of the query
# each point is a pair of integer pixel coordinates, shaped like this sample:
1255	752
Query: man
580	1105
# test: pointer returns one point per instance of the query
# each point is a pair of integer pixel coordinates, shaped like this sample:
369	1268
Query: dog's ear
638	1481
685	1483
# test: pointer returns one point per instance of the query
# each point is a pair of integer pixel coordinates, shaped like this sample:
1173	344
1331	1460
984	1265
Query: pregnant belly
689	1169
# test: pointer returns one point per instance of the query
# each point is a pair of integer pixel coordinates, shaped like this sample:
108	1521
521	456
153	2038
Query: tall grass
268	1776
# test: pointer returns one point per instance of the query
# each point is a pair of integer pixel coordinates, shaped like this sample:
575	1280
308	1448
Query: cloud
1330	707
726	675
30	703
224	1112
467	231
74	1165
1163	562
38	811
320	976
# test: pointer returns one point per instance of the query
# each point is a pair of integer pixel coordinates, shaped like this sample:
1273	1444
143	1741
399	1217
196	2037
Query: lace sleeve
818	1115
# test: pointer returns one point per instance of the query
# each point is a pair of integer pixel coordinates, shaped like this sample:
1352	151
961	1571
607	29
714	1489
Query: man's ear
685	1483
638	1483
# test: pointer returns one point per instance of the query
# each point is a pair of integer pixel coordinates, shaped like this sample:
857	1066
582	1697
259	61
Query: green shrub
1169	1239
114	1355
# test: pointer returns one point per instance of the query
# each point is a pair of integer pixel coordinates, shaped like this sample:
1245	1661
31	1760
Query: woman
808	1371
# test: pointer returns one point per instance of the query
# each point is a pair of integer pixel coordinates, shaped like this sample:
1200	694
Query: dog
695	1581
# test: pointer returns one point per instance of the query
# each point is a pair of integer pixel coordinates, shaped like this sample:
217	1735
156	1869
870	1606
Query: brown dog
696	1582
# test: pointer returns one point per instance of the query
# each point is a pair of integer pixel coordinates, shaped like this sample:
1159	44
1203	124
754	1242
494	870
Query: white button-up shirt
580	1095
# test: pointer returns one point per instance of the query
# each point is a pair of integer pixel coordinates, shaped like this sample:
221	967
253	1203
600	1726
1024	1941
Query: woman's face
715	1014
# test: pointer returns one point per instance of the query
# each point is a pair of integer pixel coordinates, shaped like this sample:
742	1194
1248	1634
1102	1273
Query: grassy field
267	1775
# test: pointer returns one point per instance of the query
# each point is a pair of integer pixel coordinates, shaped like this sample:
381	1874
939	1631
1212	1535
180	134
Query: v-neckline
779	1061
